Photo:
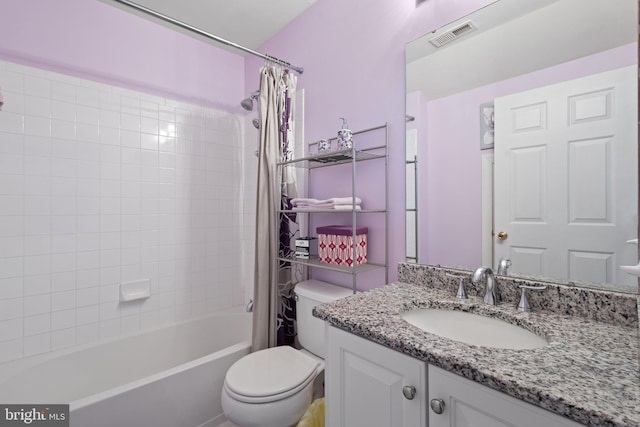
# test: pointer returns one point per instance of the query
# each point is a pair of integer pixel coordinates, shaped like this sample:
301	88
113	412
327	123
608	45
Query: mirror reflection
525	134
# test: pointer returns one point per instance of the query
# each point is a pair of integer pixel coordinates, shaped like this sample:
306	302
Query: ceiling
245	22
538	33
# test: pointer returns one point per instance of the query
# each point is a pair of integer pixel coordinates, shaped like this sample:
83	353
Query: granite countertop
589	372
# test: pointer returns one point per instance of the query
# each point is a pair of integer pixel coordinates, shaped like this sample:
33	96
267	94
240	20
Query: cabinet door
364	384
467	403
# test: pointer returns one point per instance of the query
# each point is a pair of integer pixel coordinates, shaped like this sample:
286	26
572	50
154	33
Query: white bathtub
169	377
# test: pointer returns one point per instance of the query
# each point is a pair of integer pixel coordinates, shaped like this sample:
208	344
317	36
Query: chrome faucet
503	266
486	274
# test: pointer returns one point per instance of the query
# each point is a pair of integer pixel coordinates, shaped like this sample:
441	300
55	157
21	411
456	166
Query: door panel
469	404
590	185
364	384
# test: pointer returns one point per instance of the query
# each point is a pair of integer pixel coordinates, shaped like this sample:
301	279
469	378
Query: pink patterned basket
335	245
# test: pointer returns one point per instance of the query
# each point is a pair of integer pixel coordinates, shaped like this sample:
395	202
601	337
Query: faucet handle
461	294
524	306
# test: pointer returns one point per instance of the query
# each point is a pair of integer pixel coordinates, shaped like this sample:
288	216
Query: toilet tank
310	293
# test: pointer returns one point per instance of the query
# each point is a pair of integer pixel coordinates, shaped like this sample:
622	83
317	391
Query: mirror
511	70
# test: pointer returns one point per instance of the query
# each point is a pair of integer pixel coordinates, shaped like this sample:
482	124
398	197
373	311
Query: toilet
274	387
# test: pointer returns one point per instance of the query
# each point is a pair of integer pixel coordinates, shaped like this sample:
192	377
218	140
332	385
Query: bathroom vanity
371	385
383	371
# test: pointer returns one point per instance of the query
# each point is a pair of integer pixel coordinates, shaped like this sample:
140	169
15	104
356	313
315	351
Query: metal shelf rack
353	156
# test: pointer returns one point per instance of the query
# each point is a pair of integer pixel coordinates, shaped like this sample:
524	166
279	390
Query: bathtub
169	377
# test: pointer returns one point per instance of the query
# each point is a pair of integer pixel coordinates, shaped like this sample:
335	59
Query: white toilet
274	387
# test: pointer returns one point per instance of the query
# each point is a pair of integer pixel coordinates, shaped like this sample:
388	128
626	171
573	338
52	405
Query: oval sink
473	329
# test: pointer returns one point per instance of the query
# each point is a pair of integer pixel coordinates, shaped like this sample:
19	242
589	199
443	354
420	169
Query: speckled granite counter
589	372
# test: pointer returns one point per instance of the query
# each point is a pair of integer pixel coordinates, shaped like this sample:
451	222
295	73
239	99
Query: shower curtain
274	307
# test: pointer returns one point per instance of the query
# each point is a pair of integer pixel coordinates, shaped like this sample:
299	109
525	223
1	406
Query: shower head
247	103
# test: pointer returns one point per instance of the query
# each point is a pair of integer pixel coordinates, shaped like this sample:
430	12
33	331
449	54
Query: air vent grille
453	34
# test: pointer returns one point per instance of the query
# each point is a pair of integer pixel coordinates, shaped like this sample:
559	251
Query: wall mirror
523	120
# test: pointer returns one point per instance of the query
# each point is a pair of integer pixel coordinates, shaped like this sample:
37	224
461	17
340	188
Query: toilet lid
270	372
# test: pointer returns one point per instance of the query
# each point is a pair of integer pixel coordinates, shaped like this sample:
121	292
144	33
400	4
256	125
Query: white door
566	178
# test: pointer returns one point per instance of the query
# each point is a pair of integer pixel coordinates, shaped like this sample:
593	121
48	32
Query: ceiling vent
453	34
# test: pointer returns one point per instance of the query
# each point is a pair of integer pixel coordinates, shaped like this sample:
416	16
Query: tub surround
102	185
589	372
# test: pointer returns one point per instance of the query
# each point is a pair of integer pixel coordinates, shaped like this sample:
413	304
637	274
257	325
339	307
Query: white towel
314	205
344	200
346	207
300	200
328	207
333	201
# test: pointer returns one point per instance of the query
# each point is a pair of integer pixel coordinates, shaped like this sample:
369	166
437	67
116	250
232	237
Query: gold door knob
502	235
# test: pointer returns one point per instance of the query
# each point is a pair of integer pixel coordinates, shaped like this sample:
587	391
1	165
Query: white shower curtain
272	282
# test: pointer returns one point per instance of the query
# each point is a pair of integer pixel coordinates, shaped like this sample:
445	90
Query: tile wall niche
101	185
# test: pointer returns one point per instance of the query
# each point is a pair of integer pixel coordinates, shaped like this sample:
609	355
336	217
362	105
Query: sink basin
473	329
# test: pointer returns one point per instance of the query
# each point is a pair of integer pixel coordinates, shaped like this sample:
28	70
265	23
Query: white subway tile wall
101	185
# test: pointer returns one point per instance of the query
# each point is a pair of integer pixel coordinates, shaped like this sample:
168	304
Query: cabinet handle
409	392
437	406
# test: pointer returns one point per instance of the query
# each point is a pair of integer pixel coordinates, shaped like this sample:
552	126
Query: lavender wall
94	40
353	55
451	202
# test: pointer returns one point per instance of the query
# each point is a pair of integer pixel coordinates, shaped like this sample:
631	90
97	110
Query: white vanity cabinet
366	383
467	404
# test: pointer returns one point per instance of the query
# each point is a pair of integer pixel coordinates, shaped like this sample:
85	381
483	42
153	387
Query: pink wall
451	204
91	39
353	55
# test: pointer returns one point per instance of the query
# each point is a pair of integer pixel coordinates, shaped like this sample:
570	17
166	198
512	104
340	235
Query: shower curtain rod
193	29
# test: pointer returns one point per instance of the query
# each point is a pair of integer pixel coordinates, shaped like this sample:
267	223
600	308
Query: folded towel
333	200
344	200
346	207
298	200
314	205
329	206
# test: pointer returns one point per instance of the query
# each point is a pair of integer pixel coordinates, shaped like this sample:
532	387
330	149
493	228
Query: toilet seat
269	375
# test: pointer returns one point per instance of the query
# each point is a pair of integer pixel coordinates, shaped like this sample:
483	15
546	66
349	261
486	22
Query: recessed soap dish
136	290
